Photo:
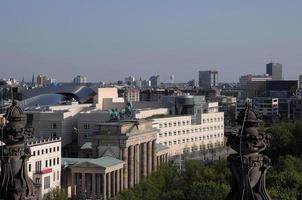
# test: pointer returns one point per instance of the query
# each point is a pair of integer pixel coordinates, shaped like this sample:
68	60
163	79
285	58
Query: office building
155	81
185	133
146	83
296	108
172	78
274	70
300	81
243	81
41	80
55	121
79	80
130	81
208	79
267	108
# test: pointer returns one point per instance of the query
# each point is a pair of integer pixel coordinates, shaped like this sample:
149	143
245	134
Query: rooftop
38	141
87	145
102	162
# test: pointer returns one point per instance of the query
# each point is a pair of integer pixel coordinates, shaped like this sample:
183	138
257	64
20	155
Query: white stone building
44	166
56	121
188	134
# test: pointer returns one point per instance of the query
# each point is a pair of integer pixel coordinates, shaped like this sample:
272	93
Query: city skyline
107	41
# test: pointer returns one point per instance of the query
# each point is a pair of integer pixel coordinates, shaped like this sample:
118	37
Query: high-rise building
79	79
172	78
300	81
146	83
274	70
208	79
33	80
41	80
130	80
155	81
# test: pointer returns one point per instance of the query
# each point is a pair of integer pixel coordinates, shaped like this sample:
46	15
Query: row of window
48	163
183	123
187	140
50	150
174	124
170	133
203	147
211	120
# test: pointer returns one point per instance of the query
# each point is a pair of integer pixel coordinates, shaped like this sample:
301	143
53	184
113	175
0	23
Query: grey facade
155	81
208	79
274	70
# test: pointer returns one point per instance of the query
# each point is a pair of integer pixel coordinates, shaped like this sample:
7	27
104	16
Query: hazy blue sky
108	40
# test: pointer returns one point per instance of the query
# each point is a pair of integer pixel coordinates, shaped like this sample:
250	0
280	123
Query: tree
56	194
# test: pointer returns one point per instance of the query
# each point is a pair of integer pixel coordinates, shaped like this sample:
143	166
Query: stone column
131	166
104	186
113	184
137	163
122	179
154	155
88	185
98	185
93	191
118	183
78	188
145	151
149	158
83	184
125	170
72	184
162	159
157	162
109	184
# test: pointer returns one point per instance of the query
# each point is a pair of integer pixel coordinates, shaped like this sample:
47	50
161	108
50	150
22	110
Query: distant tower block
275	71
172	78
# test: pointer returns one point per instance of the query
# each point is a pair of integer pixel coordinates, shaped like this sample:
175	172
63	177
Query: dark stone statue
248	166
128	113
14	181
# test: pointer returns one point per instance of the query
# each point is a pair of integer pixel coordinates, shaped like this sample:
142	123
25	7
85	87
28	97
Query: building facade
251	78
55	121
44	166
267	108
183	134
133	94
41	80
155	81
208	79
79	80
274	70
